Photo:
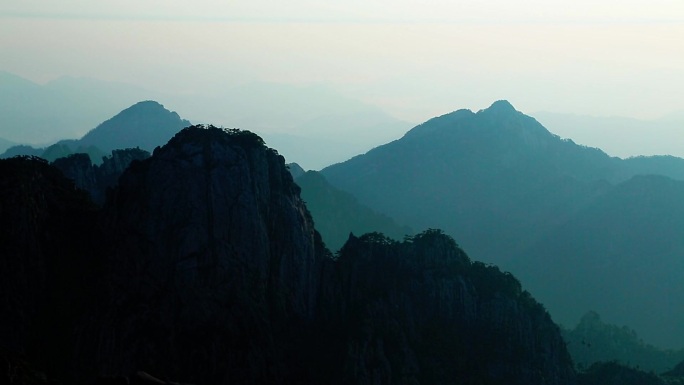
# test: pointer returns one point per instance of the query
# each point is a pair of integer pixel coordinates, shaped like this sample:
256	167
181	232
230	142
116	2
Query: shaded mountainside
337	213
581	229
203	266
626	249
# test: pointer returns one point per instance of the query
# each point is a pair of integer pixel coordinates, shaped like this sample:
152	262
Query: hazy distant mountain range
312	125
619	136
65	108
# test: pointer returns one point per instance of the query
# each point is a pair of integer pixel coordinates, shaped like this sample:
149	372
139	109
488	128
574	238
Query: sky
414	59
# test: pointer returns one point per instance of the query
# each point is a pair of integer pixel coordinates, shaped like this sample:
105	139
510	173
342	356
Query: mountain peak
146	125
500	106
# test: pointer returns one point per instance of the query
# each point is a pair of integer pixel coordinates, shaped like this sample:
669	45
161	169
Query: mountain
580	228
64	108
337	213
593	341
493	174
145	124
311	124
203	266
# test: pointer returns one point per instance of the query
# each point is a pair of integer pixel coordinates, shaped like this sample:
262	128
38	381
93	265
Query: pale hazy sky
416	59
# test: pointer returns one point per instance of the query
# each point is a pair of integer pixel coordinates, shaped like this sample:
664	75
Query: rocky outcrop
98	179
420	312
213	263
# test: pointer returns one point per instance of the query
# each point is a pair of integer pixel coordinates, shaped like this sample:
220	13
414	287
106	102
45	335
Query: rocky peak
212	226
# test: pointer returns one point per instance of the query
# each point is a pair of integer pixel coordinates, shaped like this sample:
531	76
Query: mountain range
313	125
203	266
583	230
566	217
619	136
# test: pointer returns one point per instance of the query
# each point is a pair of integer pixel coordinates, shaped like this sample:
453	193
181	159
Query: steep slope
145	124
337	213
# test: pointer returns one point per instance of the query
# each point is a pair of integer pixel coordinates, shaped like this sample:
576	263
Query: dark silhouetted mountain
578	228
145	125
98	179
593	341
420	312
203	266
47	254
337	213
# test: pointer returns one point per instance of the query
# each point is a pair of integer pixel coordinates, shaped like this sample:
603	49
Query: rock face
203	266
97	179
213	257
46	247
420	312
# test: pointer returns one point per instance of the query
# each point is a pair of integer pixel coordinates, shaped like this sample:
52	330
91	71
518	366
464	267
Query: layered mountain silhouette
203	266
338	213
581	228
144	125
